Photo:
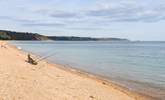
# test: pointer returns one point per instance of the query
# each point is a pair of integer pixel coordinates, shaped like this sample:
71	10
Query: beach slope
20	80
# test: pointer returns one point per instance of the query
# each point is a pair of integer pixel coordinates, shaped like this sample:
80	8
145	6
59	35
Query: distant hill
12	35
73	38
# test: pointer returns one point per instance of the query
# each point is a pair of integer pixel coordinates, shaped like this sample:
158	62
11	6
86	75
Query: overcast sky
132	19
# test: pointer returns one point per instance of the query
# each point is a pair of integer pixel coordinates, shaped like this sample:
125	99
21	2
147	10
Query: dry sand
20	80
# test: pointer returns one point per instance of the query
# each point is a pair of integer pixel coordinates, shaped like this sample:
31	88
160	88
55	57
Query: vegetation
4	36
12	35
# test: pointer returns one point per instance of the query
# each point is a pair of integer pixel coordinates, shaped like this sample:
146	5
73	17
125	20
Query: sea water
140	66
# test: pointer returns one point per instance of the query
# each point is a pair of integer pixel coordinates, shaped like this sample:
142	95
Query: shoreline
105	81
96	78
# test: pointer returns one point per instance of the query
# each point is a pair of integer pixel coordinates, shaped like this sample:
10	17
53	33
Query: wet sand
20	80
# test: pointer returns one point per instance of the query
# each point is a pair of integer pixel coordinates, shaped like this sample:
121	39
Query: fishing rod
35	62
42	58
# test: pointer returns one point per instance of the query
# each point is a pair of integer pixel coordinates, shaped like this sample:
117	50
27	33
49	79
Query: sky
131	19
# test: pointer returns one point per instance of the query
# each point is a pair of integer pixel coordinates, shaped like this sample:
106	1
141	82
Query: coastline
105	81
109	89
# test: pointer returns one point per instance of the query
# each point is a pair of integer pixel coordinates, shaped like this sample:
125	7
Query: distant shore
13	35
20	80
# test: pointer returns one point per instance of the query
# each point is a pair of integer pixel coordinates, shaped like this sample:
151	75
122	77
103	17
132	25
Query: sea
138	66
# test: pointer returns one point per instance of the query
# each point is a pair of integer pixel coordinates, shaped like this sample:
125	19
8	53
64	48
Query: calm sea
140	66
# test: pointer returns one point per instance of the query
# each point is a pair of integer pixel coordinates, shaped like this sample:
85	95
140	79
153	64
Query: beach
20	80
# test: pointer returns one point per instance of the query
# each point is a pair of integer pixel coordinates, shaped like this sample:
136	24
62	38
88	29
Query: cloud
111	11
42	11
44	24
17	19
128	12
87	28
64	15
57	14
6	18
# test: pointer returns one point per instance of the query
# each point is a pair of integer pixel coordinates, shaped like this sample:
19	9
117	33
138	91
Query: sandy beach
20	80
